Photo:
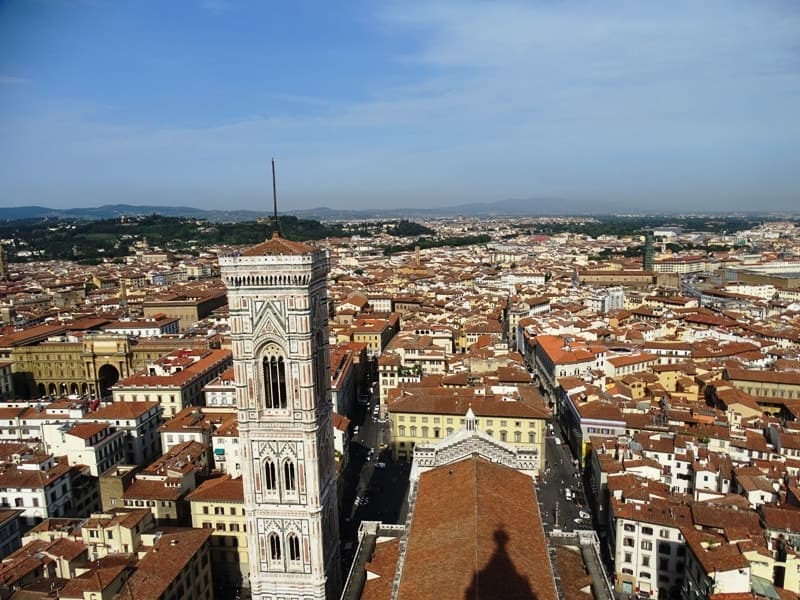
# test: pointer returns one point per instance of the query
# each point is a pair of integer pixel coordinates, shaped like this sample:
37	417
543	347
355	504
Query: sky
679	105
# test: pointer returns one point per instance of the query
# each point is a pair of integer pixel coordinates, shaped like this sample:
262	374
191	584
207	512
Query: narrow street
559	511
372	475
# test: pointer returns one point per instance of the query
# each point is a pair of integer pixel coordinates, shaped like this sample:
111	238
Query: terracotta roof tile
221	489
479	524
277	246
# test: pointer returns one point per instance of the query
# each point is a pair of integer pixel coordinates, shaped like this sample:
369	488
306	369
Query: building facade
278	301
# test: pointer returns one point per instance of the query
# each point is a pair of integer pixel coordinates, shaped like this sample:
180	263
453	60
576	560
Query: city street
558	512
383	487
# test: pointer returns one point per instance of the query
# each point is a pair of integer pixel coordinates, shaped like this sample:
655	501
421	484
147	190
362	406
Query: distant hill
509	207
112	211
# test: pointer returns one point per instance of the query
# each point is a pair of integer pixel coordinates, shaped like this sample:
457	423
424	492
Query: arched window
401	431
288	476
294	547
274	546
275	381
531	437
503	436
413	431
270	479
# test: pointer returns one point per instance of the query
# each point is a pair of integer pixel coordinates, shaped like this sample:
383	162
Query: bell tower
278	303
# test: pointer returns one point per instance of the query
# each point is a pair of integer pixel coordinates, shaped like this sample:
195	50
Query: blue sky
657	105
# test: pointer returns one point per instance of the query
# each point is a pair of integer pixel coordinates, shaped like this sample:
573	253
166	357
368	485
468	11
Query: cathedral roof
277	246
479	524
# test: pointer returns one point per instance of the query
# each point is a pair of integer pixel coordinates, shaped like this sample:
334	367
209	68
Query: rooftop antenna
276	225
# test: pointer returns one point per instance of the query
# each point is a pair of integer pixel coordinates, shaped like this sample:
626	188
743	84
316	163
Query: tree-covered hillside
91	241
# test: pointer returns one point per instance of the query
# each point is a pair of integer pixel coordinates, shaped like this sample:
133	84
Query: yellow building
6	381
174	381
218	505
189	304
177	567
757	382
117	531
113	556
87	367
66	365
764	563
375	333
424	414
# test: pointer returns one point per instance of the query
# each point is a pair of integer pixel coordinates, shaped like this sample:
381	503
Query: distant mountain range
510	207
534	206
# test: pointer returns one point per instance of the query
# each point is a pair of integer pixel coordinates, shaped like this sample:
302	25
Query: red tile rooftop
566	350
277	246
169	556
219	489
86	430
381	569
485	541
113	411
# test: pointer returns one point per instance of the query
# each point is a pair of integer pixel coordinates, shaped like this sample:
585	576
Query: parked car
584	515
380	465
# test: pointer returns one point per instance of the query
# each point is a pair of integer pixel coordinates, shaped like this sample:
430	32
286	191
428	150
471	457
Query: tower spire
276	225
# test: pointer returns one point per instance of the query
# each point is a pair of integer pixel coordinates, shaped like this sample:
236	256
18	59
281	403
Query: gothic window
321	377
294	547
270	480
288	476
274	546
275	381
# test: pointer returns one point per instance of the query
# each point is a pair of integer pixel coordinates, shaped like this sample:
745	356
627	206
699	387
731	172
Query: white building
714	566
99	446
649	553
145	328
227	449
38	485
221	391
138	421
278	303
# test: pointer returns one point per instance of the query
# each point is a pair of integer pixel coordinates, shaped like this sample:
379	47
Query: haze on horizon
683	105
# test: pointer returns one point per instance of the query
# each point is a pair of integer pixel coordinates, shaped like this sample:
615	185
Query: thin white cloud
216	7
12	80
